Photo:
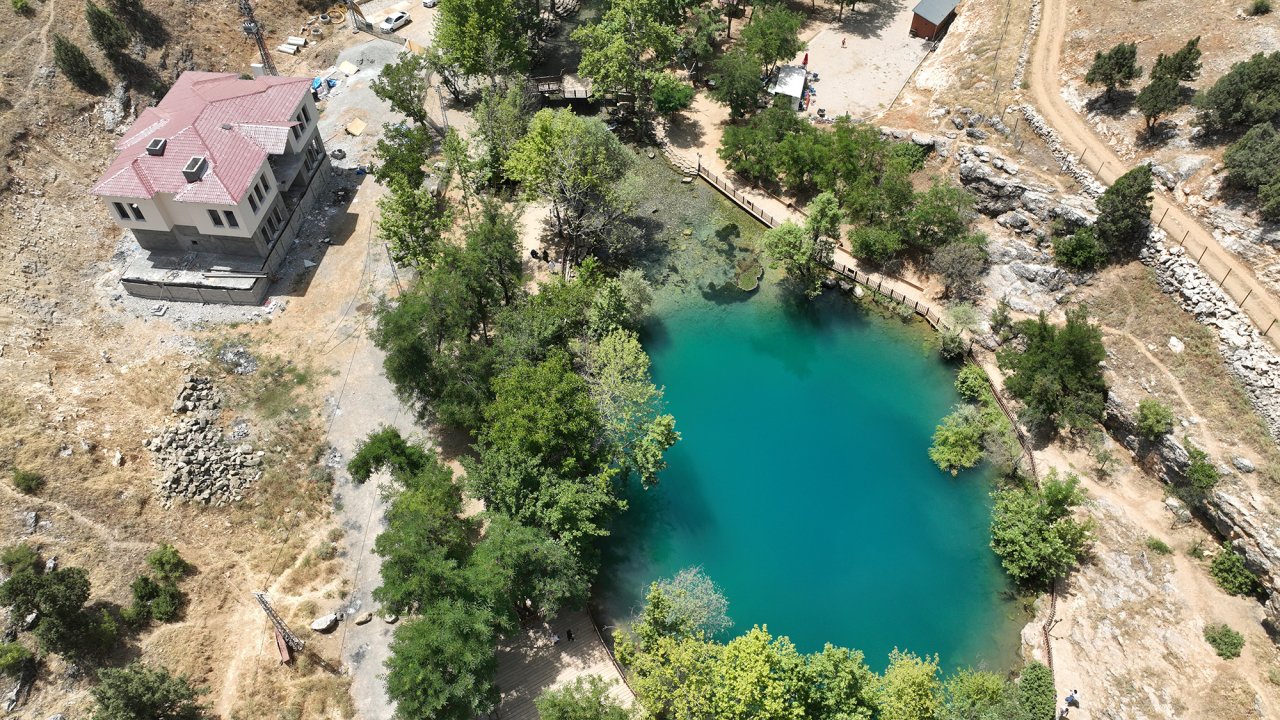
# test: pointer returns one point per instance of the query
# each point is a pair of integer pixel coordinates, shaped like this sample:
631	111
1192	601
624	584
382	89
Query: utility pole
290	640
252	28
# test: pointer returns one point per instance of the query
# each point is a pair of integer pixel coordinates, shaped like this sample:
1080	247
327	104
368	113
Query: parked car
430	3
394	22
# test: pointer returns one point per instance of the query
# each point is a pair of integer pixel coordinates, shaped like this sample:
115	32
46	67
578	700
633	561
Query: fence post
1202	252
1224	281
1166	212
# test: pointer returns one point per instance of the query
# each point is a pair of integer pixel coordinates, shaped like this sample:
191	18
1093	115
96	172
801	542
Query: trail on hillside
1076	135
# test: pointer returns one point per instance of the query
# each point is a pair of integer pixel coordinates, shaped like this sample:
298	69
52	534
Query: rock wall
1066	160
1033	24
1249	520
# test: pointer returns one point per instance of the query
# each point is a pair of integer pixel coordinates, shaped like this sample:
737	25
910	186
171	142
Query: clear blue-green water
802	484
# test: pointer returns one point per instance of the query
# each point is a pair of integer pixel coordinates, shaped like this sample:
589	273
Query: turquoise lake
802	484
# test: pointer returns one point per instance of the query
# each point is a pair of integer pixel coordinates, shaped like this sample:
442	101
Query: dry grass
1128	299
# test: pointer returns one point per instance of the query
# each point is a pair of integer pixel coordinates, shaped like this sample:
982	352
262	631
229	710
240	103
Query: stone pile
1249	358
1070	165
197	463
1033	24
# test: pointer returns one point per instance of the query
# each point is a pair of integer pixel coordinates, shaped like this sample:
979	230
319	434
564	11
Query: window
231	218
306	116
297	132
124	214
137	212
265	185
216	218
253	203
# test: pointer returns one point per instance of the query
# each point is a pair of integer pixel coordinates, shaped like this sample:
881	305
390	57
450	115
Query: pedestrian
569	634
1073	699
555	639
843	42
805	62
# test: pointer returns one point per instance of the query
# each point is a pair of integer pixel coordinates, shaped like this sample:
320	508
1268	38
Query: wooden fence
727	188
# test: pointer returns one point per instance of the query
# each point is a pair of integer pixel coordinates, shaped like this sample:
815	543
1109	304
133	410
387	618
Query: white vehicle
394	22
430	3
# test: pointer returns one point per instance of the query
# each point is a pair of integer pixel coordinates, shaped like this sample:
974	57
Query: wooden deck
531	664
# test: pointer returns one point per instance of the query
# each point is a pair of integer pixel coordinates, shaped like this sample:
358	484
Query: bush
1079	251
875	245
1247	95
1154	418
13	658
957	442
1056	375
971	382
168	564
22	7
1201	476
1226	642
1232	576
1253	165
1036	692
1158	546
1260	7
1034	533
137	691
670	94
19	558
953	345
27	482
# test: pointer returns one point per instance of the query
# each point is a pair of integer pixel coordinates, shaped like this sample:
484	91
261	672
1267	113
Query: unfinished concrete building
213	183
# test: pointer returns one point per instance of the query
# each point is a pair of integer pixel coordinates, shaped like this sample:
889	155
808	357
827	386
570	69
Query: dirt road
1237	277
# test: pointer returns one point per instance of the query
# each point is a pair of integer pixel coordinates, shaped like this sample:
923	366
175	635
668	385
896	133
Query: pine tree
1116	68
1159	97
108	32
1182	66
1124	212
73	63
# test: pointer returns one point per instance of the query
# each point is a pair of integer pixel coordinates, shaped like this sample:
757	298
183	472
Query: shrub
1034	533
13	657
167	563
1158	546
22	7
19	558
874	244
1079	250
1247	95
27	482
1036	693
971	382
1001	320
670	94
138	691
1260	7
1232	576
1201	475
1154	418
953	345
1253	165
957	442
1226	642
1056	375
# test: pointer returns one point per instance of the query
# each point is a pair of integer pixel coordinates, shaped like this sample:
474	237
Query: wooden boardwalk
531	663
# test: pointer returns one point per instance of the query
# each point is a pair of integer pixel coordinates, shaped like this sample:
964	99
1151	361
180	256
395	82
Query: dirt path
1045	78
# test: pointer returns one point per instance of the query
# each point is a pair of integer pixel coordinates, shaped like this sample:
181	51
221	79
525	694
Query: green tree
426	542
142	692
1182	66
1034	533
772	36
586	698
515	563
167	563
107	31
957	442
630	407
1116	68
759	677
1036	692
403	84
1201	475
1253	165
502	117
21	558
737	82
626	50
442	664
1247	95
941	215
73	63
878	245
804	257
695	603
400	154
670	94
1154	418
837	684
620	303
1057	375
752	150
1124	213
386	448
910	688
978	695
1079	250
485	38
823	216
412	220
1160	97
578	165
1232	575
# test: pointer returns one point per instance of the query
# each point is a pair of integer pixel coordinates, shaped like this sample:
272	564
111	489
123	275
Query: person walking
568	634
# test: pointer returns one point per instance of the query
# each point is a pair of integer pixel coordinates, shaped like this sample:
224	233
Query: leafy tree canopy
1124	213
1034	533
1116	68
403	84
141	692
586	698
442	664
1247	95
1056	376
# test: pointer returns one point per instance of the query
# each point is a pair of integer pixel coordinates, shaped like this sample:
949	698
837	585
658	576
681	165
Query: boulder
1243	464
1176	346
325	623
364	619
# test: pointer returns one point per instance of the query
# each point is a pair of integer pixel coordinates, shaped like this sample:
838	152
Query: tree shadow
863	18
138	74
683	132
1157	135
1118	104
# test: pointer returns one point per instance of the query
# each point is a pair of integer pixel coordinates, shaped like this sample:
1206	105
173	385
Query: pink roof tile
231	122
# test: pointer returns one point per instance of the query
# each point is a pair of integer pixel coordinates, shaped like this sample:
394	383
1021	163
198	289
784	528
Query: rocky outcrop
1248	520
1067	161
1003	193
196	462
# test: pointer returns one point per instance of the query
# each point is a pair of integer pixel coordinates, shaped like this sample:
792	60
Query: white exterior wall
163	212
308	129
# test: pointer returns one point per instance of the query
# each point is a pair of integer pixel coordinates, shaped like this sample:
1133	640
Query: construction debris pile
196	462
